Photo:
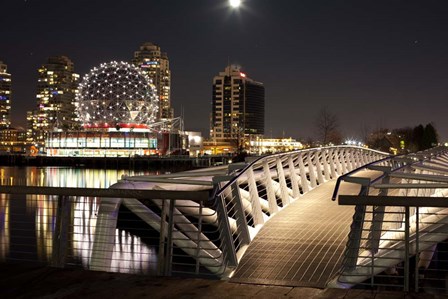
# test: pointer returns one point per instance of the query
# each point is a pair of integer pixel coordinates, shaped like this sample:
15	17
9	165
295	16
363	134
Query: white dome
116	93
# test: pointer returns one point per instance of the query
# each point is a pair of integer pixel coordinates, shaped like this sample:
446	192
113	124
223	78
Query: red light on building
243	75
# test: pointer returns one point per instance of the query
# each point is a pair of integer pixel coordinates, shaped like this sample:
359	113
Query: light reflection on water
19	217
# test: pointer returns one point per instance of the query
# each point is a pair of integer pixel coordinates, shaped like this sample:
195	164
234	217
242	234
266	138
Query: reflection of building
56	90
4	227
155	65
116	106
237	110
5	96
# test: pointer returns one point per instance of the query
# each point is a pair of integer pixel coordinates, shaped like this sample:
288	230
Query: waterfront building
56	91
116	106
155	64
13	140
5	96
274	145
237	110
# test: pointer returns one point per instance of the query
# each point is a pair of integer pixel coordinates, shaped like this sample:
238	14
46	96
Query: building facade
115	106
56	91
155	64
237	110
5	96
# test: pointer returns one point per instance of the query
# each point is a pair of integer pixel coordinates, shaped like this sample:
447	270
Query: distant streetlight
235	3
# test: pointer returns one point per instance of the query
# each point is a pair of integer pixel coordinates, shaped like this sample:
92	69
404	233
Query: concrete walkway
18	281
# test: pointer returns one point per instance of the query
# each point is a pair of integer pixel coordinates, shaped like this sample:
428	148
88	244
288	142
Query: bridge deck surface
303	244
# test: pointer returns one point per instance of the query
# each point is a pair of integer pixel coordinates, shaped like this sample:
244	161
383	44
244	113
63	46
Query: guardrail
87	227
190	223
400	225
254	192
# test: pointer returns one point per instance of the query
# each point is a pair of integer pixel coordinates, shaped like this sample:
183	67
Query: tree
327	126
430	138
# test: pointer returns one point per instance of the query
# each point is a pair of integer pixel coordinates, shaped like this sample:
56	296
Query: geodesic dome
116	93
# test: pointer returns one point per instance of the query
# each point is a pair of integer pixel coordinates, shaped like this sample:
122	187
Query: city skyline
373	64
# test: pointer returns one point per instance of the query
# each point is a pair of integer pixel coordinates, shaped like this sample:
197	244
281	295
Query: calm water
27	223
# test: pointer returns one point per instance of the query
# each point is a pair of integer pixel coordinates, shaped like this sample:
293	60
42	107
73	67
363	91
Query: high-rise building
56	90
5	96
237	108
155	64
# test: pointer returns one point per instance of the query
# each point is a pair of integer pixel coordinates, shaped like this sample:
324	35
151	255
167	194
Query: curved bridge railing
400	224
196	223
250	194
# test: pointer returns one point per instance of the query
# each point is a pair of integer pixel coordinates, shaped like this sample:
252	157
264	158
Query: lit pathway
303	244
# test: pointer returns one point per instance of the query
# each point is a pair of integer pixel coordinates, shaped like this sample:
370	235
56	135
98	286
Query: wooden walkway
303	244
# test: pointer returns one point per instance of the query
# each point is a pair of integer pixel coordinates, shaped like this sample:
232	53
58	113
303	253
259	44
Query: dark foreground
17	281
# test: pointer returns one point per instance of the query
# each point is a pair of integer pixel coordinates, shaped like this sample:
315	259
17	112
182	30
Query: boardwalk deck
303	244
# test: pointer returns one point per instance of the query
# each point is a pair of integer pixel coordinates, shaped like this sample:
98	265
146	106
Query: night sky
372	63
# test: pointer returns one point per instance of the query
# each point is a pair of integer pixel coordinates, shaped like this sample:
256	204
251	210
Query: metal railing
188	223
398	237
252	193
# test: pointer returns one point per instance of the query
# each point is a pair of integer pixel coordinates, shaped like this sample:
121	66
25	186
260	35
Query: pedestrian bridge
275	220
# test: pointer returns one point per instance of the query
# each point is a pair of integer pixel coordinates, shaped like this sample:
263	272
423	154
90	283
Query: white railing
195	222
252	193
399	222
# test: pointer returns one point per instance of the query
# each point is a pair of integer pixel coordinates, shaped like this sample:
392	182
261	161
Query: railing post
254	198
325	164
240	216
169	239
161	271
343	159
303	179
293	177
337	153
378	215
60	239
282	181
272	200
332	164
349	157
311	171
354	239
228	246
320	178
406	249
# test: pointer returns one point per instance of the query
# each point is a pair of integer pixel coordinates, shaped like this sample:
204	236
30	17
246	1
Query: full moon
235	3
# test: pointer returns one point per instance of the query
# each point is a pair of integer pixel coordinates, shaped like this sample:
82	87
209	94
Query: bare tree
327	125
